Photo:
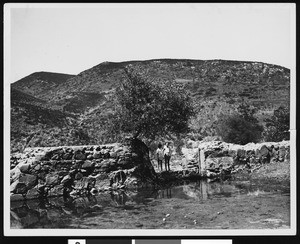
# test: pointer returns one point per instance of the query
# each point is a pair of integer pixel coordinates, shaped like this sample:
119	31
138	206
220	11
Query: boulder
281	153
79	155
241	153
56	154
15	174
226	162
29	180
264	151
87	164
97	155
17	187
17	197
90	157
66	179
78	176
42	157
37	167
67	156
33	193
52	179
24	168
287	153
113	155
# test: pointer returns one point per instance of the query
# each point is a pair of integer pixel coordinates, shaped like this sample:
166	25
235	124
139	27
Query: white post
202	160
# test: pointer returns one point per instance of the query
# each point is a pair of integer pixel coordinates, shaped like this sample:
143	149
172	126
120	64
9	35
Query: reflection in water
58	212
200	190
165	193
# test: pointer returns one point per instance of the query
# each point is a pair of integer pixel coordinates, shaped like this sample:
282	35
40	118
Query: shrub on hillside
79	136
277	127
240	128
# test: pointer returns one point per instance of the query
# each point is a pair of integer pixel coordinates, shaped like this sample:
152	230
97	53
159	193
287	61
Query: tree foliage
277	127
241	127
150	108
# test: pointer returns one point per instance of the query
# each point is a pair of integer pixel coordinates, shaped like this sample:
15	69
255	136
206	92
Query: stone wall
49	171
217	158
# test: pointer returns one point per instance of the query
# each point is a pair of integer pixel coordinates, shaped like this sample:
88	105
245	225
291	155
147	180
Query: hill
40	84
83	101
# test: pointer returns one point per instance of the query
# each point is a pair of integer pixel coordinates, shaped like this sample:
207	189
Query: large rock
25	168
52	179
33	193
87	164
29	180
79	155
15	174
18	187
97	155
66	179
16	197
281	153
78	176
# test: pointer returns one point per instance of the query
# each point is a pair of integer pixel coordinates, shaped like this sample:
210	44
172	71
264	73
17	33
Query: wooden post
199	161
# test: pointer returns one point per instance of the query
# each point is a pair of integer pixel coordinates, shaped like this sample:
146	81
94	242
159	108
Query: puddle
202	204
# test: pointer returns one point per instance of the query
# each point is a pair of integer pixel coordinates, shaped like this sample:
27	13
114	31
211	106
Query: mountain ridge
215	86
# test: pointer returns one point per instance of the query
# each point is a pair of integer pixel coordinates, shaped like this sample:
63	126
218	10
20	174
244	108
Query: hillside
83	101
40	84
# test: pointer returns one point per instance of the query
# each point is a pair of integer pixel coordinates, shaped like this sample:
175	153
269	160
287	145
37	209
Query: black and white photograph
149	119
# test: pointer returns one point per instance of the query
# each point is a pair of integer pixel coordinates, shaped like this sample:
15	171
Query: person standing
167	155
160	156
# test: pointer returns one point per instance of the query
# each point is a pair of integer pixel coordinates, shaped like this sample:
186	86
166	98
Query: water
202	204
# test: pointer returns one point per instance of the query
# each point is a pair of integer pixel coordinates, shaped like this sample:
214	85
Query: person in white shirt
160	155
167	155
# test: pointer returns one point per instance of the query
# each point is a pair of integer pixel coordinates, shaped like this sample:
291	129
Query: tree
277	127
241	127
147	108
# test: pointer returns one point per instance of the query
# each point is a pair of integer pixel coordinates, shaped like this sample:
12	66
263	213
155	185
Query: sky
70	38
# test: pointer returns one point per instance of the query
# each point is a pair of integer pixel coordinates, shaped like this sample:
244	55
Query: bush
235	129
277	127
240	128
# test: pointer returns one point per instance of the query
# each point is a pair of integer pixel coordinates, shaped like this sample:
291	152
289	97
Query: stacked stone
225	159
45	172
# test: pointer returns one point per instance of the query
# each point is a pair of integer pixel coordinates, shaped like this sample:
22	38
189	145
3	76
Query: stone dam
76	170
